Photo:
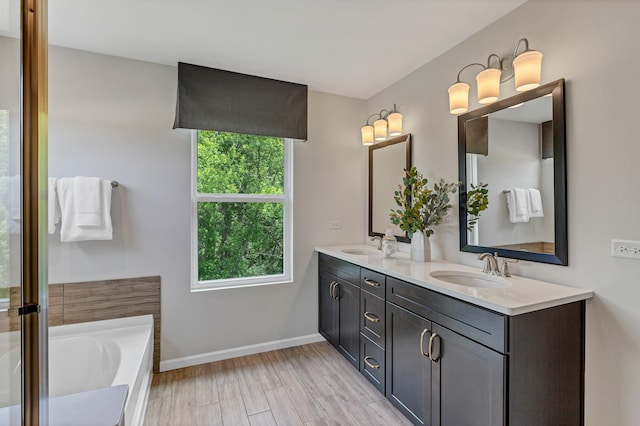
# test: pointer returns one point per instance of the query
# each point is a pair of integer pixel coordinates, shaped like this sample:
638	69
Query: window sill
227	285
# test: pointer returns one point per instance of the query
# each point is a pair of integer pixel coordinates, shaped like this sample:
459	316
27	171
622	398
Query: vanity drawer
372	363
373	282
341	269
479	324
372	314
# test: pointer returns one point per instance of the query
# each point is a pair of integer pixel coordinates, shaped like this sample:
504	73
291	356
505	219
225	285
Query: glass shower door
23	256
10	213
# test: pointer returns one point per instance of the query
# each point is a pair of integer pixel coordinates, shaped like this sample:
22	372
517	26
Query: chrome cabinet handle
369	364
332	288
371	317
372	283
431	339
424	332
333	292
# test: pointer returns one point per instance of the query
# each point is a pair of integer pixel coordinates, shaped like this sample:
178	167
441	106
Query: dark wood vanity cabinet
339	319
443	361
465	387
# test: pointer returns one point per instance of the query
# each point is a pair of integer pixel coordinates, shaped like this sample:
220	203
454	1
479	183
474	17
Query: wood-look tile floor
304	385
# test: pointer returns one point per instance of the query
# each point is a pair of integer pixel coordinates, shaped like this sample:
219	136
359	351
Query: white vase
420	247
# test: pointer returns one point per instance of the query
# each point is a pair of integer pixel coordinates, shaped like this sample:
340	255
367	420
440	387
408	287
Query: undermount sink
471	279
361	252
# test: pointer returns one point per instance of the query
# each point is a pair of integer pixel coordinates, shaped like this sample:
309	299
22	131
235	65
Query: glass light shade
458	98
488	85
367	135
395	124
380	129
527	67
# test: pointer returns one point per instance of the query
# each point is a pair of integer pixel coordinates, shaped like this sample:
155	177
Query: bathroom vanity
449	346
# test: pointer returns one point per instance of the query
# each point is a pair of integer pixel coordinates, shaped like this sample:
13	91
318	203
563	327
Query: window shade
213	99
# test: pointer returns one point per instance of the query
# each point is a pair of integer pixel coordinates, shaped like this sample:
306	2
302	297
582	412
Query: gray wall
112	117
592	44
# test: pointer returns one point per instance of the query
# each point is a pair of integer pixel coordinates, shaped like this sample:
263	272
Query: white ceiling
347	47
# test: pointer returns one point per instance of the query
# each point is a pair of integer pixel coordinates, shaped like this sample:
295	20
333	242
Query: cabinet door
349	321
468	386
328	311
408	370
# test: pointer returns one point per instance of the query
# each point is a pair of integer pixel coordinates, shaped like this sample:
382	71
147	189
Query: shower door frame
34	170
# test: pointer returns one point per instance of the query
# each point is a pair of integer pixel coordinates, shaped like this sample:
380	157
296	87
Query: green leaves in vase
421	208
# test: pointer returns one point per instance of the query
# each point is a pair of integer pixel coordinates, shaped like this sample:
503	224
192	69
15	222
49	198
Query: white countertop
524	295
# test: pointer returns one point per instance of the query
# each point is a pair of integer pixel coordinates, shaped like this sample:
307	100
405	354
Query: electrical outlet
625	248
335	224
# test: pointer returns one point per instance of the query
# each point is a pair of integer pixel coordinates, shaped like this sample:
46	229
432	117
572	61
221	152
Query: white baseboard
188	361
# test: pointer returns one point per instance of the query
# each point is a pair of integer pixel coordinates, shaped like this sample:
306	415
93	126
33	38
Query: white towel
53	211
69	230
87	200
517	204
534	203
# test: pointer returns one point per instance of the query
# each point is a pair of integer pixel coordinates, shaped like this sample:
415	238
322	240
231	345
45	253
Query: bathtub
89	356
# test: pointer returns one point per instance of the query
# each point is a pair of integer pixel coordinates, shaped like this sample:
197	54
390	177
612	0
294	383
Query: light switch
335	224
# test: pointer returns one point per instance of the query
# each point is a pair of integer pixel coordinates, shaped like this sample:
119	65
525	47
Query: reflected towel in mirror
534	203
517	202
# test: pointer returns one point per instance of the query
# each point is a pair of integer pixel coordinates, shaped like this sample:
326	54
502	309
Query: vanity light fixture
526	68
387	123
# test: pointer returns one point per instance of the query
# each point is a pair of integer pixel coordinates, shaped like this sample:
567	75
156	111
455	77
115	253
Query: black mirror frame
560	257
406	138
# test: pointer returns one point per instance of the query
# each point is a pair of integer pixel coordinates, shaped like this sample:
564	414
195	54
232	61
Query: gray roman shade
213	99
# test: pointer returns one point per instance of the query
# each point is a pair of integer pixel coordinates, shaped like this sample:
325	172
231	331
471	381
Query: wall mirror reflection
516	147
387	161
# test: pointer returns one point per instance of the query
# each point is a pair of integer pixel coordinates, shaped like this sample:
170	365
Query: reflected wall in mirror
387	161
517	147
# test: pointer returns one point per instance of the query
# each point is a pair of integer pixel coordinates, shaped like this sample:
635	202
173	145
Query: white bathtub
89	356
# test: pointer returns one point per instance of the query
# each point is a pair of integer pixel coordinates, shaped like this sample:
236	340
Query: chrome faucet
496	265
379	238
490	264
503	265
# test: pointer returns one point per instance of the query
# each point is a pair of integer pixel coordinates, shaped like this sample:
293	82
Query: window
241	210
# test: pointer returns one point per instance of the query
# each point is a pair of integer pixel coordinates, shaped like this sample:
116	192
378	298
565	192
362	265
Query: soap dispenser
389	244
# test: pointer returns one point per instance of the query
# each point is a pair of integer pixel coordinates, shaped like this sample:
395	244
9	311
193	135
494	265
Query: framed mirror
516	147
387	161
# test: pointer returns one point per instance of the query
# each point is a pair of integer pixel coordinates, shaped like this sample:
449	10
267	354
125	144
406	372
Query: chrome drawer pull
371	317
424	332
369	364
372	283
332	288
431	339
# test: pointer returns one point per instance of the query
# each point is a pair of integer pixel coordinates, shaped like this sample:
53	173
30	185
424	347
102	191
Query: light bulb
488	85
458	98
380	129
367	135
395	124
527	68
